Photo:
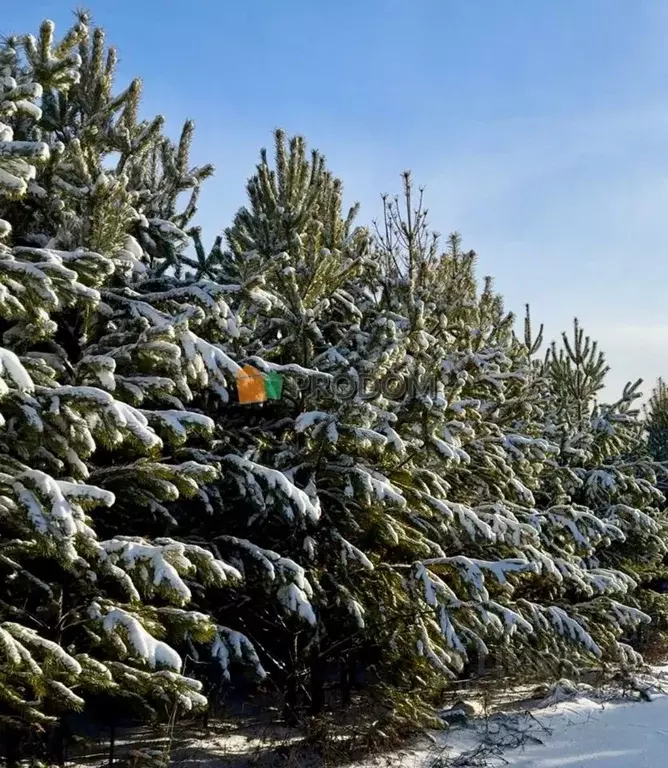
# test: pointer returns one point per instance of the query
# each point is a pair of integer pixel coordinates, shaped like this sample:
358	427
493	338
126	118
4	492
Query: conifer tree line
465	503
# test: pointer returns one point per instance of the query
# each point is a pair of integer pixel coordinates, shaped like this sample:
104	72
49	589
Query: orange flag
250	385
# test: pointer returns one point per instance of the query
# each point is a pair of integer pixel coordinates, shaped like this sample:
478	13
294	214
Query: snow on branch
277	488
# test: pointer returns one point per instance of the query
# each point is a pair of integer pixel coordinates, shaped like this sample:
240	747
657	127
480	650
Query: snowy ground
582	731
579	734
583	728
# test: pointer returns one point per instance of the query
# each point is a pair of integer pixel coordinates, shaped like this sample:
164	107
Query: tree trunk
57	743
344	681
317	670
290	698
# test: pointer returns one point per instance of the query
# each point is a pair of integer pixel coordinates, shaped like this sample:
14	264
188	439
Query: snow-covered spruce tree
96	368
249	504
606	470
79	614
481	433
473	459
163	296
653	599
656	422
297	261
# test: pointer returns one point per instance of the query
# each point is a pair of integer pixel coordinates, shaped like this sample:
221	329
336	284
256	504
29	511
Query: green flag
273	385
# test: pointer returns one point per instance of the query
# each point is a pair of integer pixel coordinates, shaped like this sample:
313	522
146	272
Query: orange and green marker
253	386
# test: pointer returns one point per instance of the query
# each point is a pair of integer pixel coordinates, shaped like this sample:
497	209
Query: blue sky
539	128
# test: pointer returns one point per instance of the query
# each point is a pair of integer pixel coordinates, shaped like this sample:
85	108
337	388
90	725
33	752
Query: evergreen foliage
100	354
425	498
83	613
657	422
606	472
